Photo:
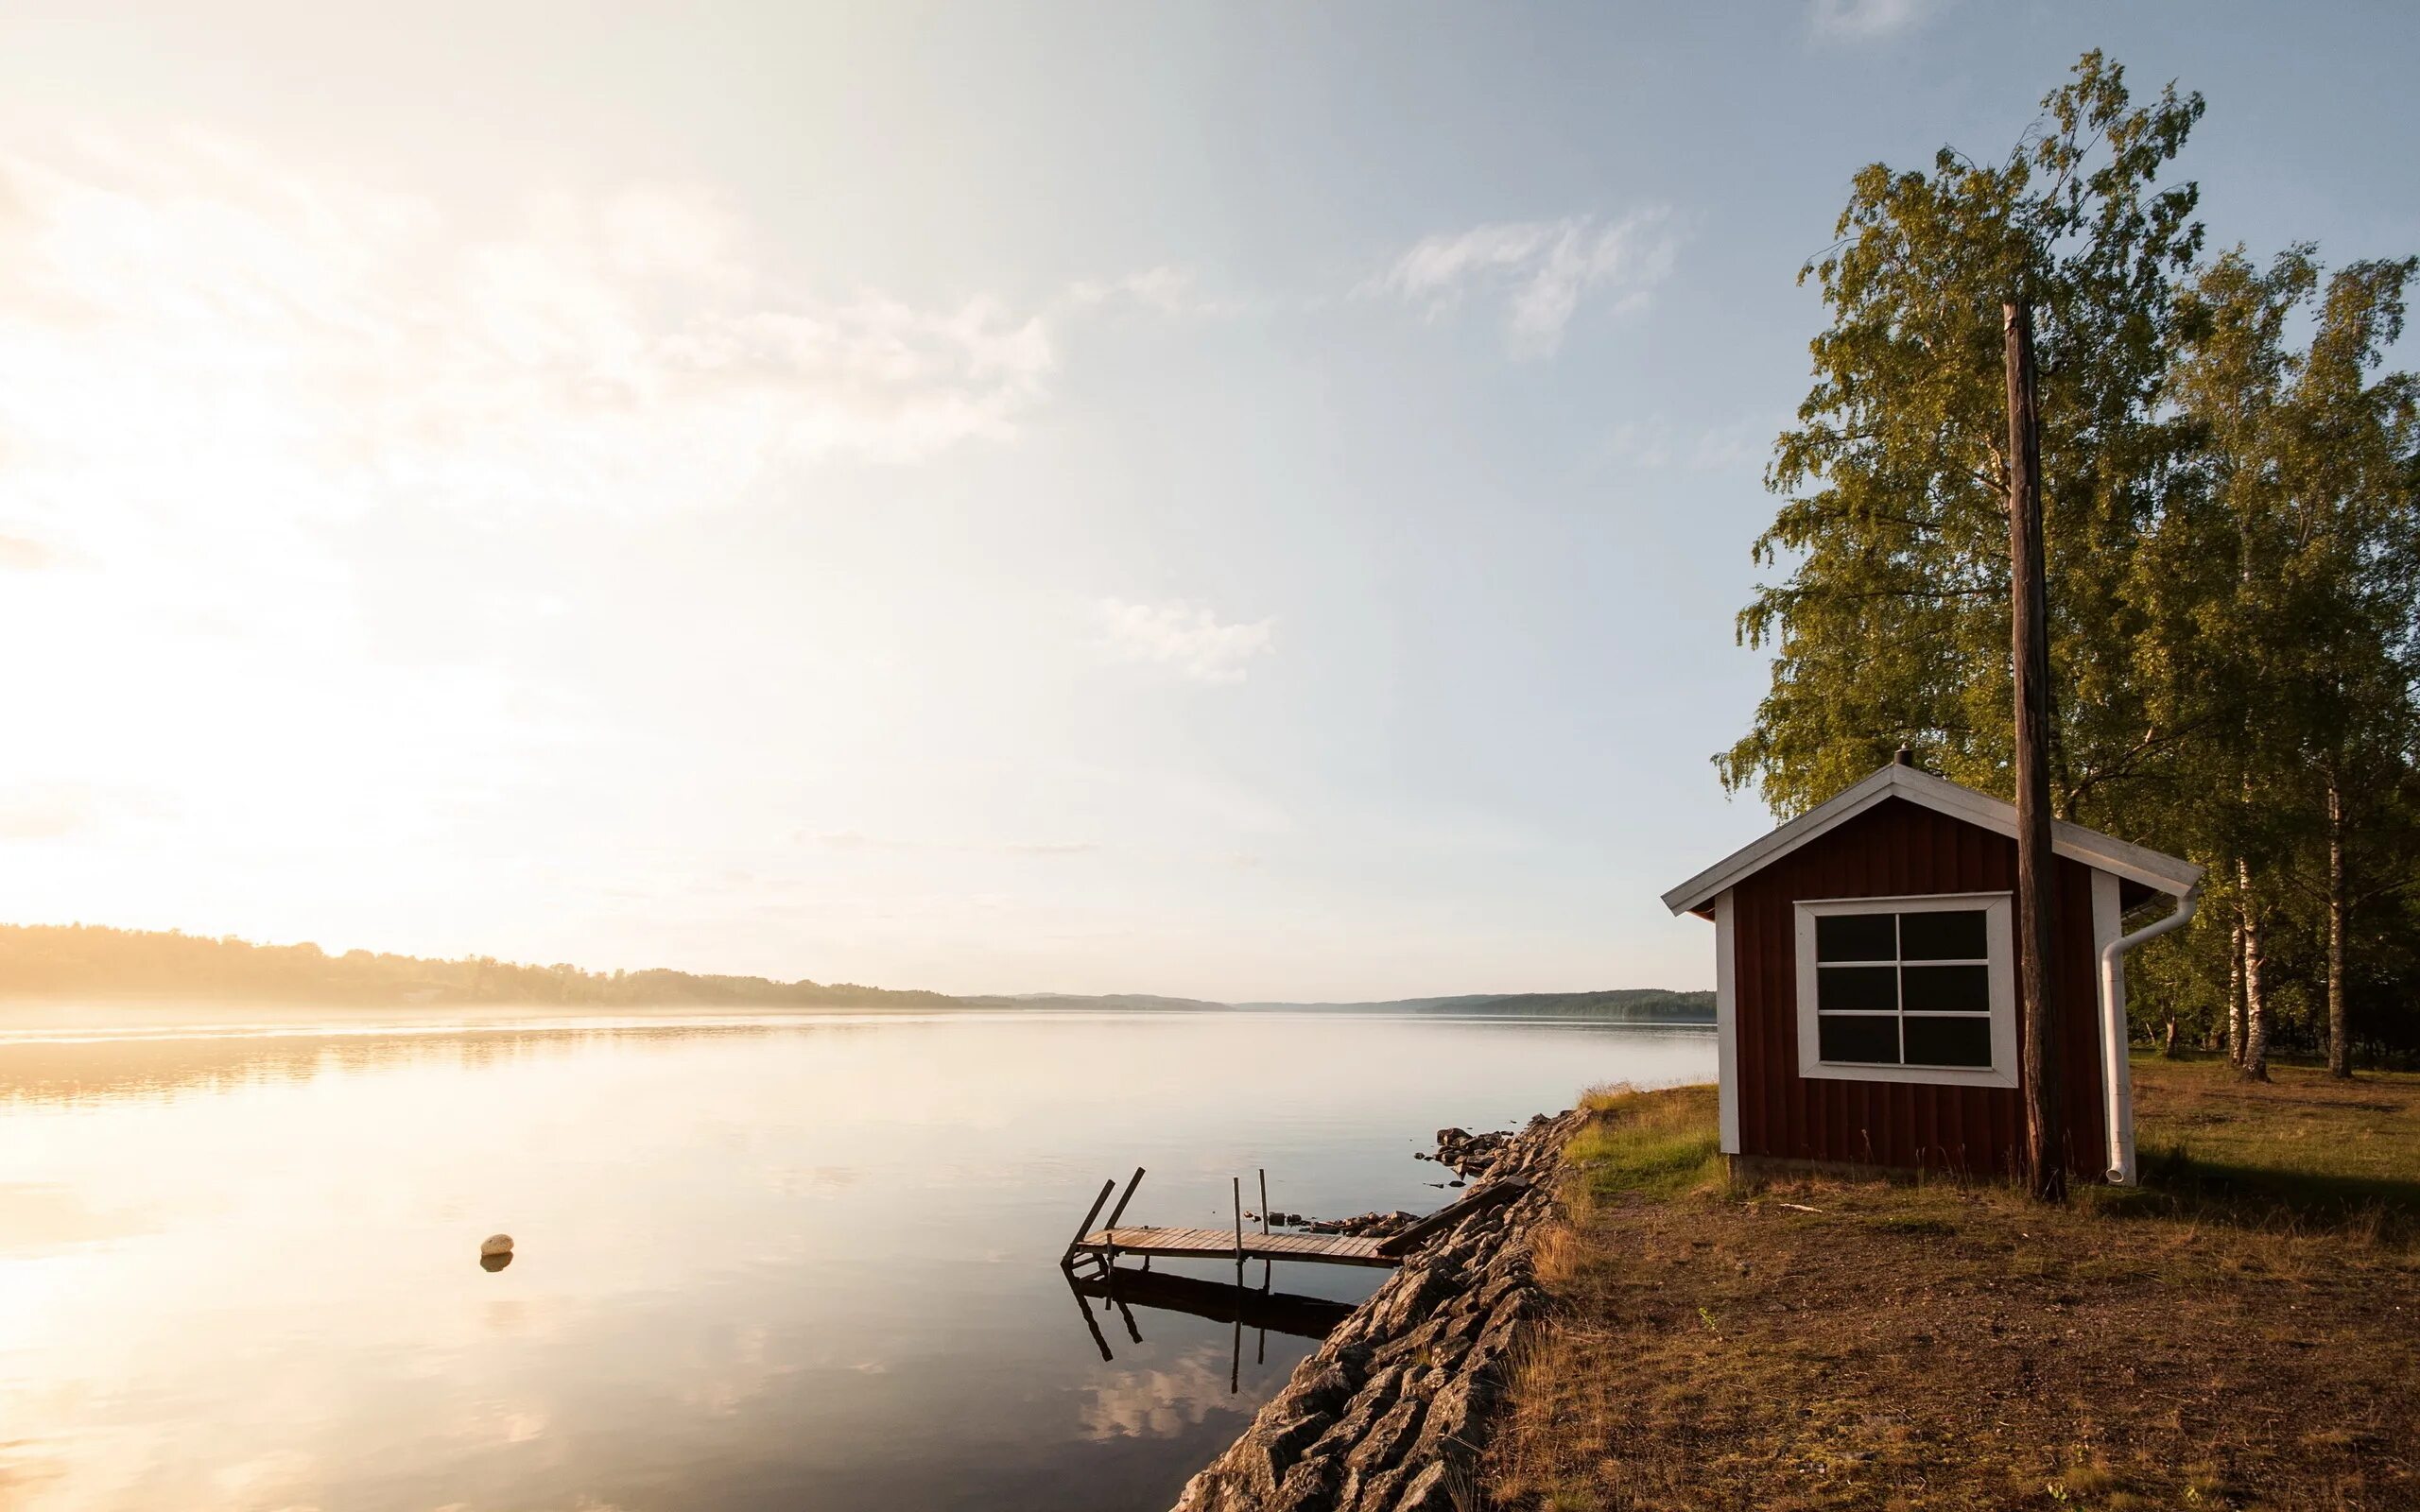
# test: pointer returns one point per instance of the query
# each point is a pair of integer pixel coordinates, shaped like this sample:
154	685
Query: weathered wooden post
1239	1238
1086	1227
2046	1163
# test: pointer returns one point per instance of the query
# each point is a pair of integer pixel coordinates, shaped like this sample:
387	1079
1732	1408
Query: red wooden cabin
1865	970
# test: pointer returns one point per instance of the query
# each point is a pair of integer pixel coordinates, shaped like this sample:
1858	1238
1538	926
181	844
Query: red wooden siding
1899	849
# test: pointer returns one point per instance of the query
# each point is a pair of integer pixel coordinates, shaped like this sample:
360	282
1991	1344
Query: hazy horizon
1238	502
209	988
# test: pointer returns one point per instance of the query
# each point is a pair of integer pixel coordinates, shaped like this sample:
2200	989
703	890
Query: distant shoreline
95	965
108	1010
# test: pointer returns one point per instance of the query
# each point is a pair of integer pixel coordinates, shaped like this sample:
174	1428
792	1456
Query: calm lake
797	1261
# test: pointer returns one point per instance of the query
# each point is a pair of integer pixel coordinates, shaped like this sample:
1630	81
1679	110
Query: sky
1237	501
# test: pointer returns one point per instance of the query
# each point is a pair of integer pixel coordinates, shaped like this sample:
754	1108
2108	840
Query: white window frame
1999	940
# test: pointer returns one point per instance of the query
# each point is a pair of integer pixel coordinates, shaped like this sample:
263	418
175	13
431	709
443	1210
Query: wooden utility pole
2046	1144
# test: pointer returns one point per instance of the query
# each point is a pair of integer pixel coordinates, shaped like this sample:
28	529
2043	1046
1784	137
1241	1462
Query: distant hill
1640	1005
88	960
1090	1002
93	961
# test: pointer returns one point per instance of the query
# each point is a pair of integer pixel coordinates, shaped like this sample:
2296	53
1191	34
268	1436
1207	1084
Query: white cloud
1541	270
1867	18
45	811
1166	290
857	840
1186	638
183	322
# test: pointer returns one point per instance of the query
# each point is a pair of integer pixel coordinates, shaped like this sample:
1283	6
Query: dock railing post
1109	1251
1267	1263
1068	1260
1119	1211
1239	1241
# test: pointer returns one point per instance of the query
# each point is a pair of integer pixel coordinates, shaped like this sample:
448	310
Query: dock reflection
1121	1289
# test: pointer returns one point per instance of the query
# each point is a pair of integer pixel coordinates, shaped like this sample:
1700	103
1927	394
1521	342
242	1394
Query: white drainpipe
2117	1084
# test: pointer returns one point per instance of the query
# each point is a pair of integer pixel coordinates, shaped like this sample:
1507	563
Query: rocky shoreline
1389	1412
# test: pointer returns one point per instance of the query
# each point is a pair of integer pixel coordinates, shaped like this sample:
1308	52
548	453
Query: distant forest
93	961
1637	1004
89	960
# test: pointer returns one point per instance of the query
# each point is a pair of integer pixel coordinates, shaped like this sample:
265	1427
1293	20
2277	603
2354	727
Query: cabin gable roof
2154	869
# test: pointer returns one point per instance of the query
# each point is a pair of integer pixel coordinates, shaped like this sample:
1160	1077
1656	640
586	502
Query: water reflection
1121	1289
878	1320
81	1066
1257	1307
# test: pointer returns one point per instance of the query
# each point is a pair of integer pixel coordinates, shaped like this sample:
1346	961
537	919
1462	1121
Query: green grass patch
2300	1152
1656	1145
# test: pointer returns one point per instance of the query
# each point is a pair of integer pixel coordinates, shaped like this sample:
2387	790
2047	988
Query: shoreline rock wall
1389	1412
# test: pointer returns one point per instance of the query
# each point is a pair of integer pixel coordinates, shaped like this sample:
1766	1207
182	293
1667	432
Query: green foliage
2230	528
1893	626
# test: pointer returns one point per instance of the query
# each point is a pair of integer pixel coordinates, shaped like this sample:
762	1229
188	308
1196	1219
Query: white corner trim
1727	1021
1999	911
2117	1074
2103	852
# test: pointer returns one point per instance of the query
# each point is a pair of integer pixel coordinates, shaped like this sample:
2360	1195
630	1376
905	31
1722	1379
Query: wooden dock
1103	1246
1222	1243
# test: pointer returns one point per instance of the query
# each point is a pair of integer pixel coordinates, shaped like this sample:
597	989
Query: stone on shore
1391	1412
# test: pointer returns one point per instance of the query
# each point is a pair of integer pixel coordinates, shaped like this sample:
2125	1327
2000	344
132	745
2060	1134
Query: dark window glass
1945	989
1872	988
1870	1042
1856	938
1954	935
1947	1042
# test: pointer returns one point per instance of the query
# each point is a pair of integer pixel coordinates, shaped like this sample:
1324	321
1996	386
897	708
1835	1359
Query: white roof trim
2103	852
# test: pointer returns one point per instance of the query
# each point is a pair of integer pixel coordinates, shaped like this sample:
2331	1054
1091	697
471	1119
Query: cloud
186	321
1541	270
1867	18
47	810
1184	637
1166	290
854	840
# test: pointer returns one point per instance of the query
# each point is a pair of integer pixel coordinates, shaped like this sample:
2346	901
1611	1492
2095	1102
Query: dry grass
2243	1332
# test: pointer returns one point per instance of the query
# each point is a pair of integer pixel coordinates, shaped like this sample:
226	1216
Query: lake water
796	1262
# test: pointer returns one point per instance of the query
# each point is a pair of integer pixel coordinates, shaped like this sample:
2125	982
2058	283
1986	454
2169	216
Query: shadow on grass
2177	1185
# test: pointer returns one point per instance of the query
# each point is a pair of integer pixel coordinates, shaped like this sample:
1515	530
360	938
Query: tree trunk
2339	1040
2254	1066
2171	1047
2235	985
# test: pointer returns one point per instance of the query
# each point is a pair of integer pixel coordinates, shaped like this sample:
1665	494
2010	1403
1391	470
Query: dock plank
1219	1243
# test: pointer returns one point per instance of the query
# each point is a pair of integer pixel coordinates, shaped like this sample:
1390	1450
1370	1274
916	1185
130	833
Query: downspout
2116	1084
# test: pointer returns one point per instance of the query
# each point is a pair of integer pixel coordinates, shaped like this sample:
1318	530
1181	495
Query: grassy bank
2243	1330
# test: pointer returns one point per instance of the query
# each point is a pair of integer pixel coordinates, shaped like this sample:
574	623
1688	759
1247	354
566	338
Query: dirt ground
2242	1332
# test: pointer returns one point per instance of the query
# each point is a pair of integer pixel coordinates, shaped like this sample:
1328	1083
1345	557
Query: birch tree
2231	530
1891	626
